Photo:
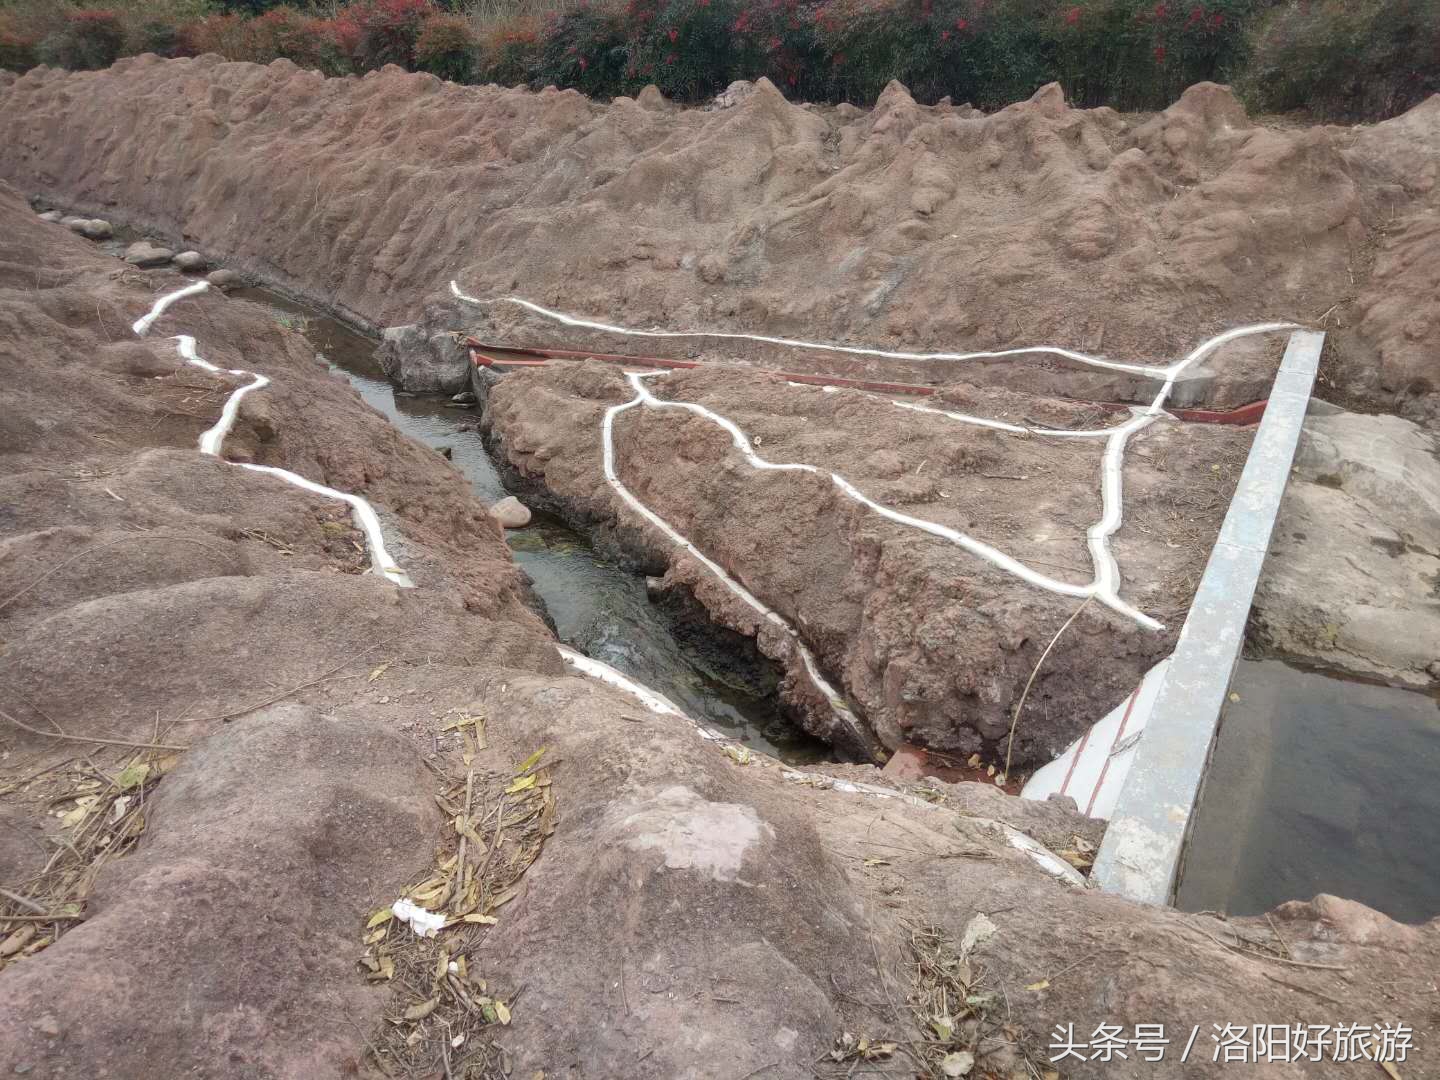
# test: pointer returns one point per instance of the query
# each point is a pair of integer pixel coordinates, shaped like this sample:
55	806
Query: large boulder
427	357
1350	579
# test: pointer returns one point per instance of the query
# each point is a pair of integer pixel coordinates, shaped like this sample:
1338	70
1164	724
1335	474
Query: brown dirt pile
691	915
934	644
904	225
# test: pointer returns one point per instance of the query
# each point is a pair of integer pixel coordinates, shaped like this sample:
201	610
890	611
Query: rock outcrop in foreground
687	913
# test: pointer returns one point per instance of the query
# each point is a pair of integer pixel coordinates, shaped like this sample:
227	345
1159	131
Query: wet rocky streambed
594	604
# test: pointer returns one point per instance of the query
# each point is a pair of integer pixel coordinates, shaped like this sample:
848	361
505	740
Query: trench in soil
1318	783
594	605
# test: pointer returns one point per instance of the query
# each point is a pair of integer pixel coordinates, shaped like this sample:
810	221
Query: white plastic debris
424	923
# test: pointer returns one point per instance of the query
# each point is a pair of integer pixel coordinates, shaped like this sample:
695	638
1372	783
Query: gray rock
465	397
481	380
427	357
144	253
733	94
224	279
511	513
1349	581
73	223
191	261
51	215
97	229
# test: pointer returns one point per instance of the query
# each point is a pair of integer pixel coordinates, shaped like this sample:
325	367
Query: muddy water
596	606
1318	784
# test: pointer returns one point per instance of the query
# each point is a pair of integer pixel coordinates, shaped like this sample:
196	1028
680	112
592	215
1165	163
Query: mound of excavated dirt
902	226
933	643
693	914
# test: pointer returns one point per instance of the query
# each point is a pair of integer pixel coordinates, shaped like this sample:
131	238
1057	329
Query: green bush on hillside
1345	59
87	40
446	48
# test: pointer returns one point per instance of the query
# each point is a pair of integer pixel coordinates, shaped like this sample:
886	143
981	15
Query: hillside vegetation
1335	59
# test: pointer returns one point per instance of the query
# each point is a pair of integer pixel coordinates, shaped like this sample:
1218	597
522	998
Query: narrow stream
596	606
1318	784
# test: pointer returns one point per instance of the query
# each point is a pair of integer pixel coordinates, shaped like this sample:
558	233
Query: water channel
1318	784
595	605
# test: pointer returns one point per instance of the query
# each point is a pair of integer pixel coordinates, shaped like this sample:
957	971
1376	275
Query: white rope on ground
1106	574
213	440
142	325
837	704
853	350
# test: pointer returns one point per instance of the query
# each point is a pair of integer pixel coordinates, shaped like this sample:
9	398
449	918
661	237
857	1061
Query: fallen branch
1010	742
284	694
23	901
1270	956
91	738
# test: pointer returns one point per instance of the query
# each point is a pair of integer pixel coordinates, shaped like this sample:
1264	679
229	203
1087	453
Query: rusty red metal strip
1245	414
1119	734
480	359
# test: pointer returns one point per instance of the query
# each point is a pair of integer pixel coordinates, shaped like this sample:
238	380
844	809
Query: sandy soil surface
669	908
905	226
934	644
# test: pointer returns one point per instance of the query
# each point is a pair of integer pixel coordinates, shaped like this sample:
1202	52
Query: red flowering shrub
1361	59
87	40
587	48
18	44
338	41
226	35
690	49
778	39
388	30
1136	54
446	47
284	33
510	51
983	51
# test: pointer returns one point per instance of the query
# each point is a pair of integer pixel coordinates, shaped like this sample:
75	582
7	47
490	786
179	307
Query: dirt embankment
934	643
691	915
905	225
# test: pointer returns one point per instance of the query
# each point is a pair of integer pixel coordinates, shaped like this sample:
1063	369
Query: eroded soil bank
906	226
687	915
933	644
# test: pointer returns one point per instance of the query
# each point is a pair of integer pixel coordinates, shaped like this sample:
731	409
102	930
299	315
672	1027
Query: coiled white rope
213	440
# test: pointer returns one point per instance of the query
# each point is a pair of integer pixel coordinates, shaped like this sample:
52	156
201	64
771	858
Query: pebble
144	253
96	229
191	261
511	513
47	1025
224	279
51	215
